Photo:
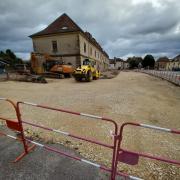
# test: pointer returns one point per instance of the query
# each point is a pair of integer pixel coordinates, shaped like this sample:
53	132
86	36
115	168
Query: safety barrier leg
17	126
26	148
132	157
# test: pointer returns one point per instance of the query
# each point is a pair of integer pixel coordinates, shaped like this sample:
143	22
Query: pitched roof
93	41
177	58
112	61
163	59
62	24
118	59
65	24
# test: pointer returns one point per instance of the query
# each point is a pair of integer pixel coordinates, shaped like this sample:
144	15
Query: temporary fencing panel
118	153
112	147
16	126
132	157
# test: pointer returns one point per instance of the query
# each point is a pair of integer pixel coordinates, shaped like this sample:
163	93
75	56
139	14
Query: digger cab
86	62
89	62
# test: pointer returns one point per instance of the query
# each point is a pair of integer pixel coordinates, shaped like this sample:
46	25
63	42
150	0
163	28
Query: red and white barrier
70	156
132	157
112	147
16	126
118	153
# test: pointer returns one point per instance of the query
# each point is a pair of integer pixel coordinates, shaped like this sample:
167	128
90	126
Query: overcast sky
123	27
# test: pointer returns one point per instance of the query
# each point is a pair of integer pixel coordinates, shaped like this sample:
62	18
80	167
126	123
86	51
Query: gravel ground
130	96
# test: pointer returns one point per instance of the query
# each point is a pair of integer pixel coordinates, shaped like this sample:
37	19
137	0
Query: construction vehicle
86	71
48	65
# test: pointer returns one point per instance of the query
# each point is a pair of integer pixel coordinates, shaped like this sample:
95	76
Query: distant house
174	64
3	65
161	63
118	63
112	64
65	41
125	65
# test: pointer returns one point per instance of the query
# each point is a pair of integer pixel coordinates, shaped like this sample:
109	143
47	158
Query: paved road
41	164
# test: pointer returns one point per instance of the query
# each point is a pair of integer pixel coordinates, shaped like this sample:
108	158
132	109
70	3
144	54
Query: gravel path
130	96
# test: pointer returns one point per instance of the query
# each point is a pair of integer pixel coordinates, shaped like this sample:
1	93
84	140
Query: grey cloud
121	27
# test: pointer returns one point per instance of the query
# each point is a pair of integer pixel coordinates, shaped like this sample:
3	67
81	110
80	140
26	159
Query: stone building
173	64
161	63
118	63
65	41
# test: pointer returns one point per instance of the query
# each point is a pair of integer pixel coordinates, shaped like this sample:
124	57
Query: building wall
119	65
66	44
88	50
112	66
126	65
71	48
172	65
161	65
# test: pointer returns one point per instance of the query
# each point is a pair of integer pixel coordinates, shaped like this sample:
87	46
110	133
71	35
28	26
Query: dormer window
64	27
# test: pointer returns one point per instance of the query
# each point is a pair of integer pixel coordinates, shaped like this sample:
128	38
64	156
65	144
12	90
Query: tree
134	62
9	56
148	61
2	54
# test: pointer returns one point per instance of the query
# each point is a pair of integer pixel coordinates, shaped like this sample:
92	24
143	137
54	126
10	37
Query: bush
148	61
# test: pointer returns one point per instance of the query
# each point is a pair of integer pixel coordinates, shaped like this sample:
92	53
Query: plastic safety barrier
118	153
132	157
112	147
16	125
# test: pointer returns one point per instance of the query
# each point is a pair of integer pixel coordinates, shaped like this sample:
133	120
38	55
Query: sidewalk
43	165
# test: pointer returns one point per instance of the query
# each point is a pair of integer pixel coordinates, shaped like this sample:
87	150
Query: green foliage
9	56
148	61
134	62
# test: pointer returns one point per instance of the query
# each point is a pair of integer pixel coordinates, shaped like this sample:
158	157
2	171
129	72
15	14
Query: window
34	46
91	50
54	46
64	27
85	47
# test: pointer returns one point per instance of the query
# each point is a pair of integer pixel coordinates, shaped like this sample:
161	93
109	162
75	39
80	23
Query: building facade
3	65
118	63
173	64
161	63
65	41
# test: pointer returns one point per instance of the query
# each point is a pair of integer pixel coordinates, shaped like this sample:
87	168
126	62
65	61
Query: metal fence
171	76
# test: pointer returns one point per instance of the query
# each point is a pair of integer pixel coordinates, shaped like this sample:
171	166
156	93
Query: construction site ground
130	96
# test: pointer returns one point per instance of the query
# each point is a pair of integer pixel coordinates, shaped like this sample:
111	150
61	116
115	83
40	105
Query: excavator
49	66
